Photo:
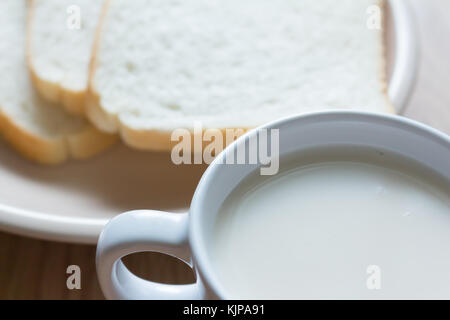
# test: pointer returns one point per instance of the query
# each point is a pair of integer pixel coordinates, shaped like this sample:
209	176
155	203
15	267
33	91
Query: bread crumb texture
60	39
166	64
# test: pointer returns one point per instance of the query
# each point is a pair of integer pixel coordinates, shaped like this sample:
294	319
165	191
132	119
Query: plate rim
407	54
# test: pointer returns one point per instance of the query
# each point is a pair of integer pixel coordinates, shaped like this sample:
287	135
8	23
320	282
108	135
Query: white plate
73	202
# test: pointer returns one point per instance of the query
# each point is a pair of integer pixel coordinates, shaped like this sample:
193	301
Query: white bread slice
160	65
38	130
59	55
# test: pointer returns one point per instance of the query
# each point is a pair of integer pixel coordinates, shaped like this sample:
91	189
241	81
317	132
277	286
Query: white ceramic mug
186	235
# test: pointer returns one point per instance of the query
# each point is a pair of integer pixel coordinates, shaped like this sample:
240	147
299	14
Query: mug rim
199	257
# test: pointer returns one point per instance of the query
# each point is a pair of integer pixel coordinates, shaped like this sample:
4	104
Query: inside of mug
333	131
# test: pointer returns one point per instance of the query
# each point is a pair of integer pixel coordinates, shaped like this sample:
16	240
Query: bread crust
51	151
383	56
155	140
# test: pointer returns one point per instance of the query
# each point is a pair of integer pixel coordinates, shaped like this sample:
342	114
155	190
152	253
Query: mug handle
140	231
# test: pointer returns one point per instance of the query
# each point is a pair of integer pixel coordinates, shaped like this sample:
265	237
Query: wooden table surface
32	269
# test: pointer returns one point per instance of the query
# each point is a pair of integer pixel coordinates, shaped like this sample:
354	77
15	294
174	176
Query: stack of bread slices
77	74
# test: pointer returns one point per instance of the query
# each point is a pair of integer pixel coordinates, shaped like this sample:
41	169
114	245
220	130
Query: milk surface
336	229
